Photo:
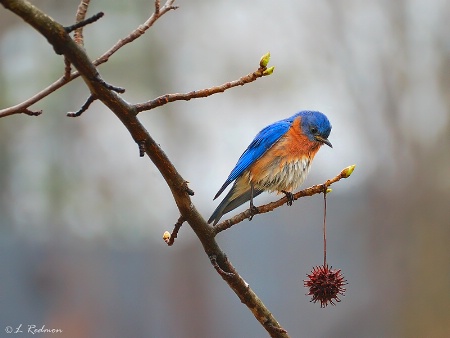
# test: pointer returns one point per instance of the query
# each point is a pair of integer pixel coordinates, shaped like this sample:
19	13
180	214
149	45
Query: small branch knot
275	328
188	190
223	273
141	145
32	113
116	89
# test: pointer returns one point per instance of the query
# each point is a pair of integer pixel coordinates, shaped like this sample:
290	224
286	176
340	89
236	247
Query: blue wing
265	139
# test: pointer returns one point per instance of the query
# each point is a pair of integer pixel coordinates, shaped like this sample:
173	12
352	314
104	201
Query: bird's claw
289	196
253	211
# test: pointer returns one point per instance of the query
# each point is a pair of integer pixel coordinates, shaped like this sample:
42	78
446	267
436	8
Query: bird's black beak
323	140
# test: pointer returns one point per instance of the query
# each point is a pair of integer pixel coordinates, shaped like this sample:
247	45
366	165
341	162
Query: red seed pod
325	285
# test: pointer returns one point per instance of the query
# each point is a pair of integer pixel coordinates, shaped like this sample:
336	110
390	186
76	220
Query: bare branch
164	99
315	189
159	11
19	108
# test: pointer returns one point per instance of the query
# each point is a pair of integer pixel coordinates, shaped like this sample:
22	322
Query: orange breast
295	144
285	165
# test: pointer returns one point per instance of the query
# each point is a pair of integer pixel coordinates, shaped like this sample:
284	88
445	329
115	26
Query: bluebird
278	159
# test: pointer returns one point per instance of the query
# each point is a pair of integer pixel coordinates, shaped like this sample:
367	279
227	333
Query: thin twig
83	23
164	99
157	6
19	108
171	239
138	31
83	108
80	16
315	189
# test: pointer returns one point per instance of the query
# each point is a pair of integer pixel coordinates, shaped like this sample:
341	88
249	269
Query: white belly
287	176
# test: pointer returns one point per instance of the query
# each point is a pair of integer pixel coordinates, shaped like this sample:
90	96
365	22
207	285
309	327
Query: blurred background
82	216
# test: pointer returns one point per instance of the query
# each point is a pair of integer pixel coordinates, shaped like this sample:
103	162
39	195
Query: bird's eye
313	130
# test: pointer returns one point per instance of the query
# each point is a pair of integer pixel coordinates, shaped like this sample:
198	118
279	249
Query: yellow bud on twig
166	236
268	71
264	60
348	171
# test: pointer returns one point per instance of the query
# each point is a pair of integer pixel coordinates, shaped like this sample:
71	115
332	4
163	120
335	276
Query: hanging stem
325	227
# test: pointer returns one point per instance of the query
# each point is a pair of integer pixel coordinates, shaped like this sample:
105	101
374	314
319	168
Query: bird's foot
289	196
253	211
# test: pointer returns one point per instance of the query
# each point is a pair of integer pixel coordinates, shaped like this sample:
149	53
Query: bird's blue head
316	126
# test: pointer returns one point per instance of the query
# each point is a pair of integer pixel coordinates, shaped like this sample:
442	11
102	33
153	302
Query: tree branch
22	107
63	44
159	11
315	189
164	99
